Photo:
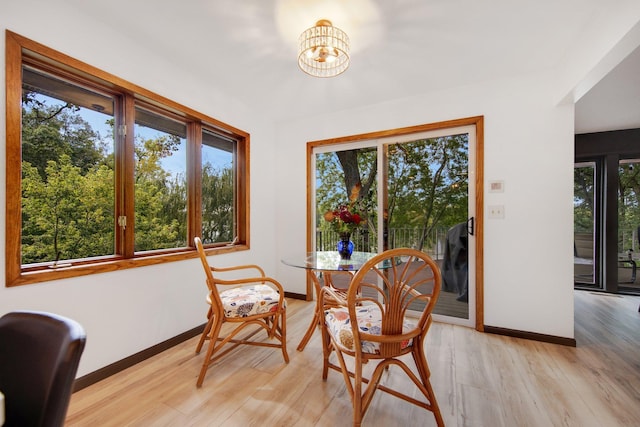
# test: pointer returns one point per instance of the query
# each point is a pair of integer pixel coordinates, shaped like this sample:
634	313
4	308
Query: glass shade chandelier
323	50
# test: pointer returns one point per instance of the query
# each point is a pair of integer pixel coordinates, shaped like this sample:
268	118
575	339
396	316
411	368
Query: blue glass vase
345	246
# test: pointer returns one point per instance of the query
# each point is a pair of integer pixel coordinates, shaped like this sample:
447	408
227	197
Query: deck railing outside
398	237
628	240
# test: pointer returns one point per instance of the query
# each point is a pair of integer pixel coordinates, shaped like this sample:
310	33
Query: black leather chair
39	357
455	268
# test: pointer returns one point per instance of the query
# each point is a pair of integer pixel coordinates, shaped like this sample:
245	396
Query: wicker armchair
255	302
386	315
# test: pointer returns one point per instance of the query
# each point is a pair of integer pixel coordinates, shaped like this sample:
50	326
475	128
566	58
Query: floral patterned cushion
369	321
248	300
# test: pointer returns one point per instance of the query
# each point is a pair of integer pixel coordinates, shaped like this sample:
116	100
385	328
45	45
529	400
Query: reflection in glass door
584	232
628	225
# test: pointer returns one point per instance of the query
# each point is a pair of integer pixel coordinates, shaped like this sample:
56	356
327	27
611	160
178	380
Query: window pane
584	186
67	170
427	209
218	188
84	190
347	178
160	182
628	224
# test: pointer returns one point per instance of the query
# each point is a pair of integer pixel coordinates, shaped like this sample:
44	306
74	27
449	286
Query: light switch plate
496	186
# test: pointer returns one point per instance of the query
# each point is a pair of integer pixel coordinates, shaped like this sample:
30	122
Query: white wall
128	311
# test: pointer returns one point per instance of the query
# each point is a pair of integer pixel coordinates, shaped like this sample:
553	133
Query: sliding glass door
628	225
426	194
416	190
607	237
607	211
584	225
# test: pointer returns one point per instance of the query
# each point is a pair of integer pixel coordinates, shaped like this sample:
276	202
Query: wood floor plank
479	380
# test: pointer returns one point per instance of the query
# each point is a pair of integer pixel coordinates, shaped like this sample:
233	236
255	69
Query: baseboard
291	295
114	368
571	342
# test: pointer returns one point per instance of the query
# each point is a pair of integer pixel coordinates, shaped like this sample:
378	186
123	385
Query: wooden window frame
20	50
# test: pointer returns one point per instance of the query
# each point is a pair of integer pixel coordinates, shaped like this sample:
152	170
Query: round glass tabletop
331	261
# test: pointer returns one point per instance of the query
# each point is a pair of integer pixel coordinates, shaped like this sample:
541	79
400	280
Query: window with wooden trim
104	175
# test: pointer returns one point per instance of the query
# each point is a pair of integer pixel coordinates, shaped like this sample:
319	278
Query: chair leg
434	404
205	332
276	326
283	335
327	348
213	340
420	359
356	397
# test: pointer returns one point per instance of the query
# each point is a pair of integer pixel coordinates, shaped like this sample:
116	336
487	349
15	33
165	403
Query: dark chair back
455	267
39	357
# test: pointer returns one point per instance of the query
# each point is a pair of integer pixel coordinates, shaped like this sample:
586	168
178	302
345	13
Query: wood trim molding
292	295
571	342
479	227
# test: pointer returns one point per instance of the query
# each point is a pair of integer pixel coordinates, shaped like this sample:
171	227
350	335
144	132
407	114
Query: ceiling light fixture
323	50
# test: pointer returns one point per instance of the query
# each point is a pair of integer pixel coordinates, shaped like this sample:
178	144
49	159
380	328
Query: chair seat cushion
249	300
369	321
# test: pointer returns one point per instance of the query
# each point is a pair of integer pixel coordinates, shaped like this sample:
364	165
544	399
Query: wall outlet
496	212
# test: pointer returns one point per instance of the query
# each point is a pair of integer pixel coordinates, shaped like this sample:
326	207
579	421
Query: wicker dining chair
385	316
255	302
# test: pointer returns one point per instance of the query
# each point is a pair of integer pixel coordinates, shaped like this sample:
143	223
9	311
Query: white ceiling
400	48
614	103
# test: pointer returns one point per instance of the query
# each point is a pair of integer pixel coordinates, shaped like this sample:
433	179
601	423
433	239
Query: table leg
317	316
327	278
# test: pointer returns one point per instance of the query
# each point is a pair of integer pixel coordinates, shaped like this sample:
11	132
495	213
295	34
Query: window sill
68	270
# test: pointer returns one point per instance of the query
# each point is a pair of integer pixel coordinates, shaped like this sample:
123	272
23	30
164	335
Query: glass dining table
328	264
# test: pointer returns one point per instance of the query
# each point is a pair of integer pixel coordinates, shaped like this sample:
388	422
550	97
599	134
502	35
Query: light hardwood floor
479	380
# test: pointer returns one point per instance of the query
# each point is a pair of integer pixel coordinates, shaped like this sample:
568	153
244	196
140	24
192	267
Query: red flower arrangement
346	218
